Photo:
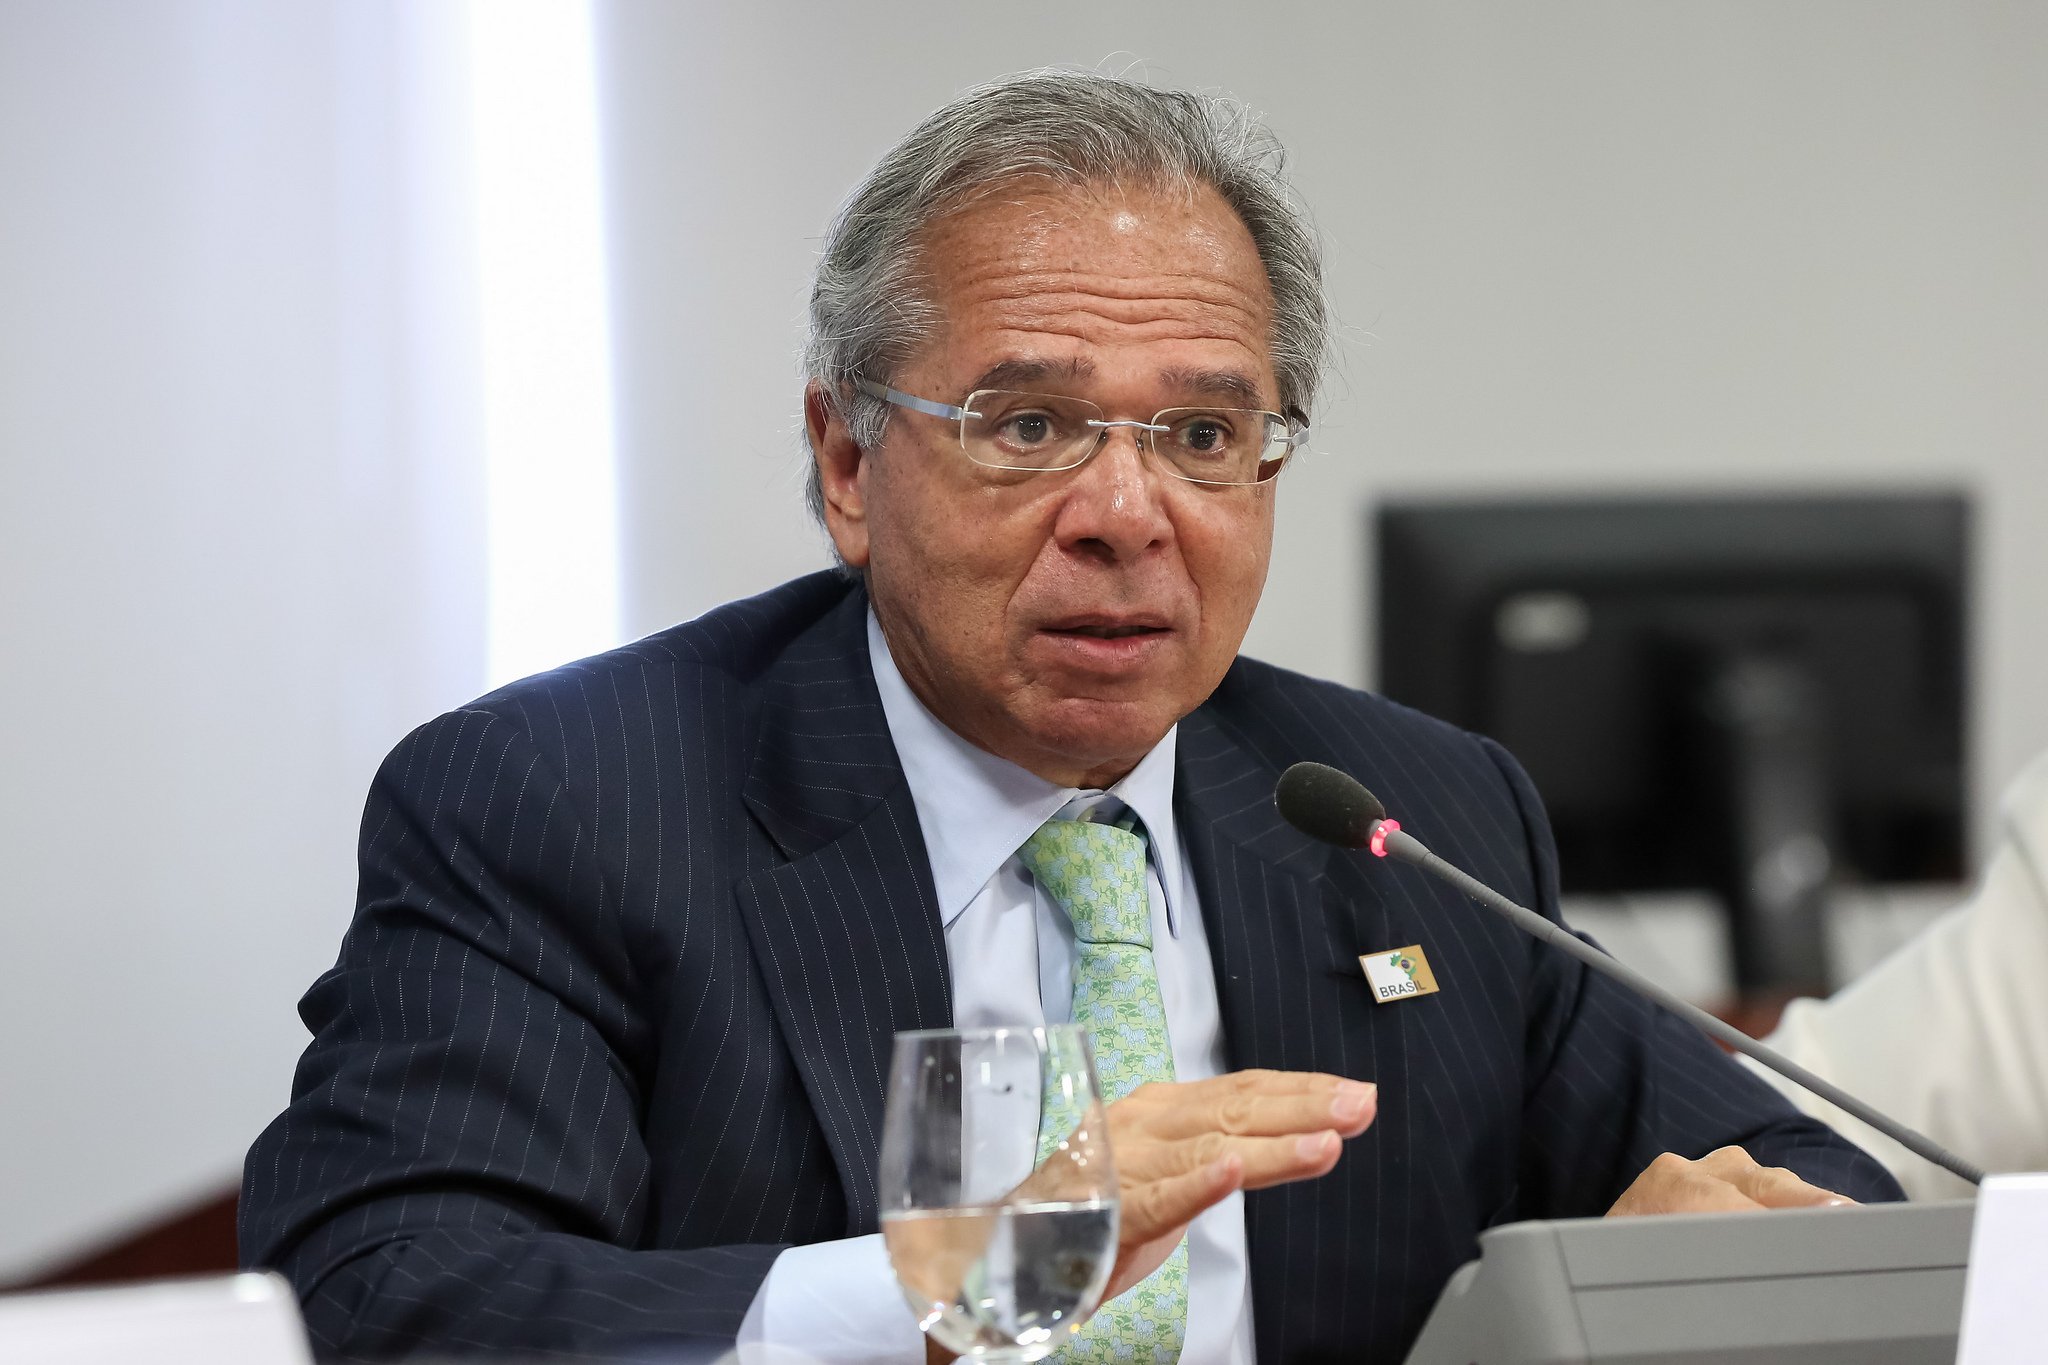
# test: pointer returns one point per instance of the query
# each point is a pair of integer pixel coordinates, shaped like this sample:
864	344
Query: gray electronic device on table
1880	1284
1870	1285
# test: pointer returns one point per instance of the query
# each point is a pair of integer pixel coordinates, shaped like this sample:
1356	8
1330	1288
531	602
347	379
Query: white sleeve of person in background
1949	1035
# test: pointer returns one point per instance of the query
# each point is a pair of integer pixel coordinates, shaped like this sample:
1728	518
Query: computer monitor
1758	696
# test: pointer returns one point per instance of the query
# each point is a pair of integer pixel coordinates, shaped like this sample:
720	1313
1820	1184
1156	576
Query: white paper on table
2005	1312
249	1319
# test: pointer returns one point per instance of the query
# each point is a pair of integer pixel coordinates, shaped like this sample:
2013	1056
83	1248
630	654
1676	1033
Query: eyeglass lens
1039	431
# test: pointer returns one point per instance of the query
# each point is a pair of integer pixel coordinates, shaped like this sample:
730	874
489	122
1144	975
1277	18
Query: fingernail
1313	1147
1837	1202
1351	1100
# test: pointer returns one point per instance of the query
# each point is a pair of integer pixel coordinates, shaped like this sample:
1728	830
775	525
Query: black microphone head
1328	804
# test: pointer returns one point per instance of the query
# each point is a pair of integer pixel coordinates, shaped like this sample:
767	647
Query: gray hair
869	313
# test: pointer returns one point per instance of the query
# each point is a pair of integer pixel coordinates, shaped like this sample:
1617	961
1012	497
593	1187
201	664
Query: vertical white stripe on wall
546	346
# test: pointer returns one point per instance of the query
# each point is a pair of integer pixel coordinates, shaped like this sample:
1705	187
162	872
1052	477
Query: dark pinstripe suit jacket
611	1024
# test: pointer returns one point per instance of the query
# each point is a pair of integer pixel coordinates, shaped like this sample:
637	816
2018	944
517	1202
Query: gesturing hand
1725	1180
1182	1147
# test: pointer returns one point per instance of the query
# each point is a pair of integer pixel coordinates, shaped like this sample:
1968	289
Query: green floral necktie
1097	874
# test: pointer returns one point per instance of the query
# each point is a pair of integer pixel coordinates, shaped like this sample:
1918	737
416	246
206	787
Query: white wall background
240	555
1574	246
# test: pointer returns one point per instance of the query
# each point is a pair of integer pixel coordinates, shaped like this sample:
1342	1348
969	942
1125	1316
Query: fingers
1280	1126
1182	1147
1724	1181
1153	1208
1771	1187
1259	1104
1261	1161
1672	1184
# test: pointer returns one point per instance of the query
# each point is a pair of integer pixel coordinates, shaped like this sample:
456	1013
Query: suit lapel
1262	901
847	931
1284	941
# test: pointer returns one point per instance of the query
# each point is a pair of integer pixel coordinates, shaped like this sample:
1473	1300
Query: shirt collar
976	809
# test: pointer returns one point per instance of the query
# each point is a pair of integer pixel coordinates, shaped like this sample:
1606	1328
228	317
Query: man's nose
1116	503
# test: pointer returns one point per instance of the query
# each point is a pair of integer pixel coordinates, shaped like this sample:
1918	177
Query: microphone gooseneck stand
1328	804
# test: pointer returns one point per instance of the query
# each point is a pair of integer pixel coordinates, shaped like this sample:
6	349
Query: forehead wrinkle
1143	316
1012	298
1146	315
1000	282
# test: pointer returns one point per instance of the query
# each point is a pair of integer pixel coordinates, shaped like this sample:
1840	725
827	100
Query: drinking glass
999	1198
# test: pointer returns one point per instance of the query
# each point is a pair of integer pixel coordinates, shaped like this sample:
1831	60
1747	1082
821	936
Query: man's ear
842	468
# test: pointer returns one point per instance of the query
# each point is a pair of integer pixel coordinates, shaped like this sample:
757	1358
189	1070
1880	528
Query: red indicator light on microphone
1380	831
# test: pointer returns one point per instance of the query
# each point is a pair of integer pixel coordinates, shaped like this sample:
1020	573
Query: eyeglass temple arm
911	401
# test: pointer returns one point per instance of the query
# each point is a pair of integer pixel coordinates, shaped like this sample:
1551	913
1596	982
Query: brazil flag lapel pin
1398	974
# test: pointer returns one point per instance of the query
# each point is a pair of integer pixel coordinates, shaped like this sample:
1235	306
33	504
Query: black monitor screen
1667	669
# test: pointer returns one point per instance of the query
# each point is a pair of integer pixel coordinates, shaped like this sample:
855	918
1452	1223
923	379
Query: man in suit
601	1066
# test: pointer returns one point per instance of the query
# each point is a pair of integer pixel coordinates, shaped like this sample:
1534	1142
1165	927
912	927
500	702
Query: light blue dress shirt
837	1301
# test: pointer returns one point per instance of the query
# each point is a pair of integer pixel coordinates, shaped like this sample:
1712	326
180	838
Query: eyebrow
1234	386
1240	389
1010	374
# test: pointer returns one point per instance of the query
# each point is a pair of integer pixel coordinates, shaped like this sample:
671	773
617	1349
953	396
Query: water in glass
999	1198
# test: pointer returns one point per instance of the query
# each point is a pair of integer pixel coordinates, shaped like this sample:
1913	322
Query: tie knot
1097	874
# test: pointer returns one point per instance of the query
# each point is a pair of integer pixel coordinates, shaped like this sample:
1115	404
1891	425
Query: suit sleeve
461	1167
1614	1081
